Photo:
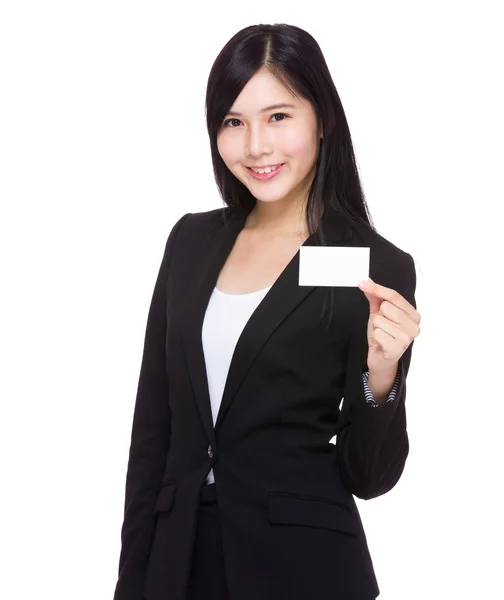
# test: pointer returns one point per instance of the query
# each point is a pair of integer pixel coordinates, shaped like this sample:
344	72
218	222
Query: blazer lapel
283	297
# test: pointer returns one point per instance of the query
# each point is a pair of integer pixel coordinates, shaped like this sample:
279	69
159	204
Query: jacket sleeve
372	441
150	440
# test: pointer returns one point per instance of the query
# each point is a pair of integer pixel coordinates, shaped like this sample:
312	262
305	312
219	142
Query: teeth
266	170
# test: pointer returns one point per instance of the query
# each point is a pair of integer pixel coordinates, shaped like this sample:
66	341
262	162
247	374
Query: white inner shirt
226	316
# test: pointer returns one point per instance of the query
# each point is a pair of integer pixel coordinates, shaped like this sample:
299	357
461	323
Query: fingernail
365	284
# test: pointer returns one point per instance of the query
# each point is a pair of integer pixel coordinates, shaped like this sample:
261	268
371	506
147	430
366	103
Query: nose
257	142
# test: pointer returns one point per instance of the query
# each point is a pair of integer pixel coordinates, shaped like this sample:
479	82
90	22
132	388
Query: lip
265	176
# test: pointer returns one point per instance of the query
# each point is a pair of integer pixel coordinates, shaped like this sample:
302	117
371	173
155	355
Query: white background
103	146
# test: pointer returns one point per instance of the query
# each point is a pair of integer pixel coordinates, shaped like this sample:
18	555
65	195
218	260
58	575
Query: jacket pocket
290	509
165	498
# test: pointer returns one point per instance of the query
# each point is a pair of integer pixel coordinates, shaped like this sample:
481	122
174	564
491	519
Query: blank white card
333	265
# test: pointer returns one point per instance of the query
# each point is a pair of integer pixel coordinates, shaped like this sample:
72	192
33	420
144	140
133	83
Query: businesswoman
235	488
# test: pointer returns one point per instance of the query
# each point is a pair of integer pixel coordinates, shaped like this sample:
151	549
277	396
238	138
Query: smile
266	174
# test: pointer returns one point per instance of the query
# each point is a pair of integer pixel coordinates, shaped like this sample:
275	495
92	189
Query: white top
226	316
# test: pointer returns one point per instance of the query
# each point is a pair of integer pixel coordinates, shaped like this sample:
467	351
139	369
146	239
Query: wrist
381	383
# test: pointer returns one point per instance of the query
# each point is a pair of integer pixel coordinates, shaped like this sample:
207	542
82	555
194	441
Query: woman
234	489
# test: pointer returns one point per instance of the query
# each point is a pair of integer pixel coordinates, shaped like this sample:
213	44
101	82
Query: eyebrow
265	109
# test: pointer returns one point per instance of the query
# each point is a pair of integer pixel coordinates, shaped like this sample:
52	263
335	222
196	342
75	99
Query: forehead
261	91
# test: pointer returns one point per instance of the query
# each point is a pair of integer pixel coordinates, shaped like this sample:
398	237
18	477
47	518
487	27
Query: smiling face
284	135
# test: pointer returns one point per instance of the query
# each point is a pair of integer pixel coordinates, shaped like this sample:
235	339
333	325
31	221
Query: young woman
235	489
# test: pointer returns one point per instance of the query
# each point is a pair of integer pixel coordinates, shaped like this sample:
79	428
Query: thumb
374	302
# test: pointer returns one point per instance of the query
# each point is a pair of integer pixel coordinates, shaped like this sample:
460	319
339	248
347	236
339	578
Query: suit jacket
289	522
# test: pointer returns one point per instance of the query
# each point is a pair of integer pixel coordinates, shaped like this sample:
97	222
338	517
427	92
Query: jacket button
210	451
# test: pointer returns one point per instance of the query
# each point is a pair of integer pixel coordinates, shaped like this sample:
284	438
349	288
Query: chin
268	197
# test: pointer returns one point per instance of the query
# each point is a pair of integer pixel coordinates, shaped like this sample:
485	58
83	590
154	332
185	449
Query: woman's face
287	136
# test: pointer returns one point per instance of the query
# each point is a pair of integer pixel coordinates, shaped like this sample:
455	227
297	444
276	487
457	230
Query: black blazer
289	521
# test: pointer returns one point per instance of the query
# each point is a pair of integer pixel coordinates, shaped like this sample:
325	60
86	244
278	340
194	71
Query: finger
392	329
398	316
392	296
374	302
387	342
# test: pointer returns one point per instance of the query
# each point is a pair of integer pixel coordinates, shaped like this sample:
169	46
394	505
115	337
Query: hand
393	324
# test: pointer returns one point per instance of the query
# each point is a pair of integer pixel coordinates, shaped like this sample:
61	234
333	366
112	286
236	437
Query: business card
333	265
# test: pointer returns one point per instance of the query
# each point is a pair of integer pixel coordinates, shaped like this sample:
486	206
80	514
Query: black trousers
207	580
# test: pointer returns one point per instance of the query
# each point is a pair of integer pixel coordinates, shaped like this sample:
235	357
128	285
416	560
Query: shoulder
381	248
189	231
200	222
389	265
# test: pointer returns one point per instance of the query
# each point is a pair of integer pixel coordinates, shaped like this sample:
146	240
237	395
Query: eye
274	115
228	120
282	114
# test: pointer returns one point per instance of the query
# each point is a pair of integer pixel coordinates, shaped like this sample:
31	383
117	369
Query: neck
272	217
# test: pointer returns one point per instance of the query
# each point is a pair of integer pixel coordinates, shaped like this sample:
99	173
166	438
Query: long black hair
295	59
